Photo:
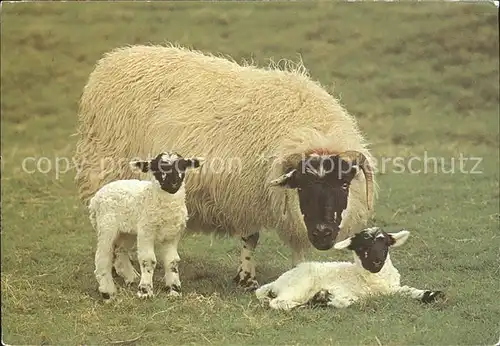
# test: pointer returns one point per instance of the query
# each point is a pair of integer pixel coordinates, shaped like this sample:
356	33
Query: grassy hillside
422	78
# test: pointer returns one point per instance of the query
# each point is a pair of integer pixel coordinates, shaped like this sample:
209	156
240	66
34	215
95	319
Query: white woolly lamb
340	284
149	212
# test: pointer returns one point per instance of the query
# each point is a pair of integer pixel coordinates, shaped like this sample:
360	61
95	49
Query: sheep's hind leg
123	265
246	271
104	261
147	262
336	300
171	260
425	296
320	299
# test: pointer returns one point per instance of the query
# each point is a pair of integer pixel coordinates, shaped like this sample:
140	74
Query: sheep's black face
322	183
168	169
371	246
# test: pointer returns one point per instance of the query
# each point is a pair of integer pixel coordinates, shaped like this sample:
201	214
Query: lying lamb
149	212
339	284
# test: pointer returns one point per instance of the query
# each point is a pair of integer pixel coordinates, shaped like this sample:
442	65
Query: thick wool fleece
124	205
250	123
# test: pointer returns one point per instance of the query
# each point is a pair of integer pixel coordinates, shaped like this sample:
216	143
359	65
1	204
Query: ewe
151	212
339	284
258	124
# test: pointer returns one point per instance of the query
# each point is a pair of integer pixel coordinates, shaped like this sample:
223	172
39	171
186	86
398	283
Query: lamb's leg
283	304
336	299
171	259
246	271
291	292
104	260
321	298
265	293
425	296
123	265
147	262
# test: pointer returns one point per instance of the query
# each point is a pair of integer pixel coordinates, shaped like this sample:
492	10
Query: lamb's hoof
321	298
145	291
245	281
174	291
431	296
130	279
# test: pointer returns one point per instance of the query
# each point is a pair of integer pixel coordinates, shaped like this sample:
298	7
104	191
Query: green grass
420	77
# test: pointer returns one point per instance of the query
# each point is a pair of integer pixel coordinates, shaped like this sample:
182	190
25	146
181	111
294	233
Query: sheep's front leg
425	296
246	271
147	262
171	259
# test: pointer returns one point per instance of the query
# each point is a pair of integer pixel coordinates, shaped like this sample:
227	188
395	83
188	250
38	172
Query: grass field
422	78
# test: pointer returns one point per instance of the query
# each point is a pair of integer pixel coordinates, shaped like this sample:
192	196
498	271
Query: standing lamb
286	155
151	212
340	284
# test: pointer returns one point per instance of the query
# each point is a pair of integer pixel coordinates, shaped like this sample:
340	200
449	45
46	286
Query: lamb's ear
139	165
287	180
189	163
194	162
399	238
343	244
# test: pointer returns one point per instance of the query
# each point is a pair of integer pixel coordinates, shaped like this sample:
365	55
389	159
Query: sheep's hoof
174	291
145	291
431	296
130	279
245	281
321	298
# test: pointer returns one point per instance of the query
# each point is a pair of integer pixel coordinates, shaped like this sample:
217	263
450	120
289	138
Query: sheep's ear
194	162
189	163
287	180
343	244
143	166
399	238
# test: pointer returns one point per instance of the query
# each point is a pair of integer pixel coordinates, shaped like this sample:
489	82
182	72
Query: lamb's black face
371	247
323	184
168	169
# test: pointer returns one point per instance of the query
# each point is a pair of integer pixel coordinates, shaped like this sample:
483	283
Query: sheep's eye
345	186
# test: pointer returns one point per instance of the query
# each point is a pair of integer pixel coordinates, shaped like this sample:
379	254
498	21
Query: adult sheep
281	152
